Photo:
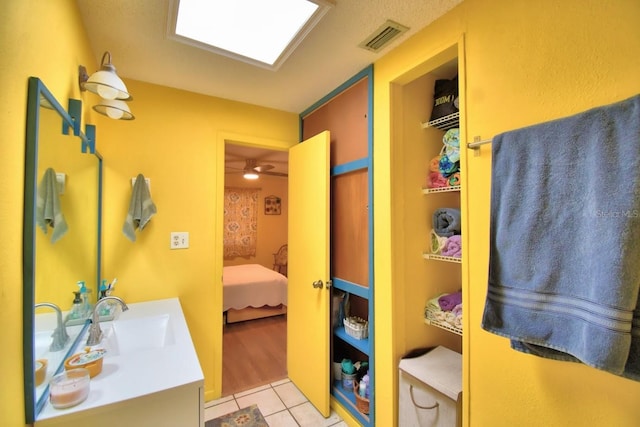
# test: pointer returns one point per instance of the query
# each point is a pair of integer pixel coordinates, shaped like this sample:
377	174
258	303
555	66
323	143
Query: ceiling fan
252	169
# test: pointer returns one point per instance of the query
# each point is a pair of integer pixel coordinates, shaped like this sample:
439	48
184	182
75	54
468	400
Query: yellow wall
526	62
272	229
46	40
177	140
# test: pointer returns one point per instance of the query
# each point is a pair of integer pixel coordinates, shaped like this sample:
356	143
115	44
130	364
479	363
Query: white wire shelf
428	255
431	319
443	123
426	190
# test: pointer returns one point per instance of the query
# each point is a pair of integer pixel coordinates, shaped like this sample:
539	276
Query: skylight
260	32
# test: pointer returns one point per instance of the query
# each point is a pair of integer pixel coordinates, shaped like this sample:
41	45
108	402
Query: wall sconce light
114	109
106	83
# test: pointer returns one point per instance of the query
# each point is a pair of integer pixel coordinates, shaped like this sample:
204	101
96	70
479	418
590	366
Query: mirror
53	262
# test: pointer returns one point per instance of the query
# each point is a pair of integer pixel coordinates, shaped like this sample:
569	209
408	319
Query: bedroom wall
272	229
526	62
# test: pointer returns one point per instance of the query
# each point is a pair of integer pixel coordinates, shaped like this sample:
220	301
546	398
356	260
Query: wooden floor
254	353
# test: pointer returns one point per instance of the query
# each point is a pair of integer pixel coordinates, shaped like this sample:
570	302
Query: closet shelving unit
431	316
347	113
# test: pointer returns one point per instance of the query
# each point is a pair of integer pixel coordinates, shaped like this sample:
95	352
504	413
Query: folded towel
434	164
48	208
565	239
436	180
446	222
437	242
451	141
448	167
141	209
454	179
453	246
448	302
433	303
457	310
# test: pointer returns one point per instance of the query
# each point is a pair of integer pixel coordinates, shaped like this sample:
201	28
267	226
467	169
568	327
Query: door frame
217	323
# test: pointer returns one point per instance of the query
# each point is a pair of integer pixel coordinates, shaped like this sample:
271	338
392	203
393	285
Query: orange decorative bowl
90	360
41	371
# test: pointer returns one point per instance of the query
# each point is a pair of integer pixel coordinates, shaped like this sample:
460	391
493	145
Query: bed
252	291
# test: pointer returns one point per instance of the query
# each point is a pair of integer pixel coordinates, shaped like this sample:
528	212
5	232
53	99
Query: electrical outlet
179	240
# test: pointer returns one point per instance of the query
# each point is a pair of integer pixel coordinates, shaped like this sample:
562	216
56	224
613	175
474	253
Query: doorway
254	338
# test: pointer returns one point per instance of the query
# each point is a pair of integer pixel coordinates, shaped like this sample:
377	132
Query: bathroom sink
145	333
41	343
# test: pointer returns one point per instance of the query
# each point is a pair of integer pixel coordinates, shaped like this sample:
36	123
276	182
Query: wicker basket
361	403
356	327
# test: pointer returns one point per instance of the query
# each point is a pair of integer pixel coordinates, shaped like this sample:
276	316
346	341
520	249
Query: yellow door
308	270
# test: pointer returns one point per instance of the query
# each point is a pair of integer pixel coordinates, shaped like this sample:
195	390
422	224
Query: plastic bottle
84	294
103	289
76	308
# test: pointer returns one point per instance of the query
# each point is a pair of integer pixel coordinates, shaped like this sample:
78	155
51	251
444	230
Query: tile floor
281	403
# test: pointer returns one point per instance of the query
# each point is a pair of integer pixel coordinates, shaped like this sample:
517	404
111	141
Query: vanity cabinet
150	374
346	113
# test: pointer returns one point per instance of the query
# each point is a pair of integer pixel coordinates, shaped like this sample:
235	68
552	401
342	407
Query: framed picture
272	205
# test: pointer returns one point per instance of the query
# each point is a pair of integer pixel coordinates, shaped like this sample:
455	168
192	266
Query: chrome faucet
95	333
60	336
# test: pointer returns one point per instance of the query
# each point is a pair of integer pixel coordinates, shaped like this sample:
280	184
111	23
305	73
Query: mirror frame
38	94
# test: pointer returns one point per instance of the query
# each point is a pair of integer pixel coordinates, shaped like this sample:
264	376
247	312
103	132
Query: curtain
240	221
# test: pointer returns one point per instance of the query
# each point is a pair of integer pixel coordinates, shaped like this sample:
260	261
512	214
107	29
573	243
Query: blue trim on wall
352	288
350	166
366	72
372	377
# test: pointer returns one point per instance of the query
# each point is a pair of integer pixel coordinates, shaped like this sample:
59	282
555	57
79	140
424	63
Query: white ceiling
135	33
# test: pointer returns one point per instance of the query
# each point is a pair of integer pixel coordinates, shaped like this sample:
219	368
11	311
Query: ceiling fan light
250	174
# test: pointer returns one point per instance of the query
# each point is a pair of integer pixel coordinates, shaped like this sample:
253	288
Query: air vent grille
383	36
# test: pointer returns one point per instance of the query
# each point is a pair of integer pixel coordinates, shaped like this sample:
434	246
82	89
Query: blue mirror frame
39	95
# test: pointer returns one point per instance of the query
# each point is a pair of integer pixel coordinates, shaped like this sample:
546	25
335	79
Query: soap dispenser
84	294
105	308
103	289
76	308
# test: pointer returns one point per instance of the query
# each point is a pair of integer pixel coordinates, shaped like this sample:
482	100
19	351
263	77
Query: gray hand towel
48	209
141	209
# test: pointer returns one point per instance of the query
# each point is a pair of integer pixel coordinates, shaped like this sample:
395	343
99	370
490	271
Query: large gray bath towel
565	239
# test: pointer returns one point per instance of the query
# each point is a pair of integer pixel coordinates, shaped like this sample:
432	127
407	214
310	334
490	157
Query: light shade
106	83
115	109
250	174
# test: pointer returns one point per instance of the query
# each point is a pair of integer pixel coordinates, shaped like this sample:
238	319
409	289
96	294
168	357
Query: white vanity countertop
132	374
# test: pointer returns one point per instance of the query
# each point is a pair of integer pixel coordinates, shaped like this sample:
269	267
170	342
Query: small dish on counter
41	371
69	388
90	360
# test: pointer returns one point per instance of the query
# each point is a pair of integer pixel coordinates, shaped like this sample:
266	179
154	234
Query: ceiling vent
383	36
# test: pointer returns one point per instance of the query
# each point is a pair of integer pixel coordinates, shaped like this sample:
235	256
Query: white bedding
252	285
